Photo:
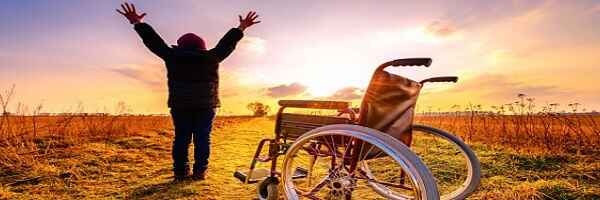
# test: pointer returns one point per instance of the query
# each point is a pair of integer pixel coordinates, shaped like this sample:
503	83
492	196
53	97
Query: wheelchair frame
289	126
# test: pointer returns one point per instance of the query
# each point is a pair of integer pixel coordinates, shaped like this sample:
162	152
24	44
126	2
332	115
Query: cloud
495	87
434	32
233	84
440	29
475	13
347	93
501	57
286	90
152	77
498	89
596	8
250	44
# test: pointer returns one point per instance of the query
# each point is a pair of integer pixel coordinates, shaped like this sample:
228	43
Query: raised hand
130	13
248	21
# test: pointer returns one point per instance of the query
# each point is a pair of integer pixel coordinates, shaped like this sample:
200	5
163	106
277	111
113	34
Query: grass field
546	132
134	162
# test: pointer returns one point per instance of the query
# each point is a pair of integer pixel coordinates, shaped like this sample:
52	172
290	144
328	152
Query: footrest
261	173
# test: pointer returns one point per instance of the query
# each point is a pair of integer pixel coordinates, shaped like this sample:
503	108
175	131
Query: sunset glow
305	50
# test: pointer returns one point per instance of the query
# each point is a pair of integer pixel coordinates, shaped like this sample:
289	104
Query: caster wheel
268	189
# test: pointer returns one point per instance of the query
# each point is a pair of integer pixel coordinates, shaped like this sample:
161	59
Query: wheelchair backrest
389	103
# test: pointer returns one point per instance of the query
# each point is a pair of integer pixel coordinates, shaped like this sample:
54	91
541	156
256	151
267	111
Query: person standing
193	82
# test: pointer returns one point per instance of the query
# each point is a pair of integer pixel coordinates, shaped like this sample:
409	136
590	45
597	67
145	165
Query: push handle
406	62
441	79
412	62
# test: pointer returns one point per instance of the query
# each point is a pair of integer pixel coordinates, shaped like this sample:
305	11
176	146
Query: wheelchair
371	152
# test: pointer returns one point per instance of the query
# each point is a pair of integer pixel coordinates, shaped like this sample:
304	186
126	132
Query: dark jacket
193	75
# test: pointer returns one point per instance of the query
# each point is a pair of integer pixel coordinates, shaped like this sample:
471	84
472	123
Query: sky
72	55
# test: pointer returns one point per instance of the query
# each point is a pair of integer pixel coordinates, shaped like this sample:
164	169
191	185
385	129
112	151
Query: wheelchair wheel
453	164
335	173
268	189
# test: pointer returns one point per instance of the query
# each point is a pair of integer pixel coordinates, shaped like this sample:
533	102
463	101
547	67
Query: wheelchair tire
423	183
268	189
473	165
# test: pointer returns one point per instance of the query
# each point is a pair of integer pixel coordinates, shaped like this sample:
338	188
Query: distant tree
258	109
574	106
5	99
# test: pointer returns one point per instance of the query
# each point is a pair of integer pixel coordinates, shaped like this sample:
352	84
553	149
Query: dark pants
191	123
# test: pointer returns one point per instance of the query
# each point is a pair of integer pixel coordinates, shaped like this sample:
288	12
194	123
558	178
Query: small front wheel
268	189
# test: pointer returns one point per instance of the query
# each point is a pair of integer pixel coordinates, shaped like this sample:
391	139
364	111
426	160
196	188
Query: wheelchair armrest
314	104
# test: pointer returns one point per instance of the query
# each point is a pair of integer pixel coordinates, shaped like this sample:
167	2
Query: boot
199	174
181	174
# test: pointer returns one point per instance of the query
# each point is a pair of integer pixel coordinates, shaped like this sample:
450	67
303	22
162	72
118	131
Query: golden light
331	79
420	35
328	67
322	88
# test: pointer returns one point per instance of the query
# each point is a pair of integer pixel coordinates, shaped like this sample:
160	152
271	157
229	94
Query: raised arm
227	44
150	38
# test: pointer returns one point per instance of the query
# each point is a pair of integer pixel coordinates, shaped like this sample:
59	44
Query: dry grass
510	174
25	139
546	155
136	163
532	133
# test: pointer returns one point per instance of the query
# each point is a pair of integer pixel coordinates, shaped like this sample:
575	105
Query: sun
329	81
327	68
322	90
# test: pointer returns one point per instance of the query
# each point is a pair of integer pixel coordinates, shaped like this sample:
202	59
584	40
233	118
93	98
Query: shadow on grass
165	190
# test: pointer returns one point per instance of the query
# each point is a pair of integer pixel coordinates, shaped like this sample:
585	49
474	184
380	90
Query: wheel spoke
369	179
334	175
366	154
318	187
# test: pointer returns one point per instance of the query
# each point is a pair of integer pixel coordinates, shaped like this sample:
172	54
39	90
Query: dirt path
233	145
139	167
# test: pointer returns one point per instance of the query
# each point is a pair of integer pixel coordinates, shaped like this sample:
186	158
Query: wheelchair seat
315	104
